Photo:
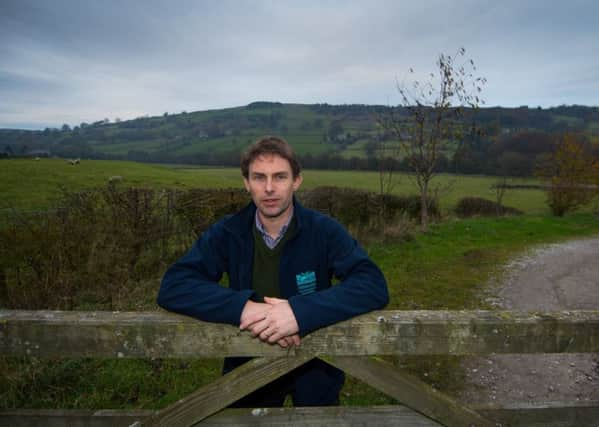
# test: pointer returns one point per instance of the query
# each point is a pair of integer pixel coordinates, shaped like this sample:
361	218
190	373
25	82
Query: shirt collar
272	242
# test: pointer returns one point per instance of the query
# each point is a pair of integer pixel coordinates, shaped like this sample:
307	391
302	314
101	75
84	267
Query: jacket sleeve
190	286
362	286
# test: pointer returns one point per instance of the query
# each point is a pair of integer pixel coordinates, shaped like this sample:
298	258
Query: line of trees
511	154
333	125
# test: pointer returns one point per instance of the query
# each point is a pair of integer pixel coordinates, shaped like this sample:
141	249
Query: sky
73	61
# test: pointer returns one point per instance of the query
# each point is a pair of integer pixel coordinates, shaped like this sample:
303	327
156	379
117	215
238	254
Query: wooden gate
352	346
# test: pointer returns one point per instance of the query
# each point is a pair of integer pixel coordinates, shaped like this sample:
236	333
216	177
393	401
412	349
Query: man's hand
271	322
280	321
252	312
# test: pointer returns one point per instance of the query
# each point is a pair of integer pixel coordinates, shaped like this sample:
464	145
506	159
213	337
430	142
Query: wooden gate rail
549	414
166	335
345	345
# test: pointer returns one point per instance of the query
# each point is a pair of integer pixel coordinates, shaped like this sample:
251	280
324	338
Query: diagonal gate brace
410	391
225	390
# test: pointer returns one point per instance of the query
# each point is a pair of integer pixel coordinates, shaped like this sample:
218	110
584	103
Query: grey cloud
95	59
14	84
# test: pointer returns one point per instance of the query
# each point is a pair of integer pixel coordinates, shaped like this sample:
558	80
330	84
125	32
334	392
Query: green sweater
265	277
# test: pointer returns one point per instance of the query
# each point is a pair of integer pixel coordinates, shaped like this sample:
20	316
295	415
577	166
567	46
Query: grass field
446	268
31	184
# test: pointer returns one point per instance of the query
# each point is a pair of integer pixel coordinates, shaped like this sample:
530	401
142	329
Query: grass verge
443	269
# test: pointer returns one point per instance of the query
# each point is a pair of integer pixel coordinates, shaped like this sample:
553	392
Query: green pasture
32	184
355	149
124	147
446	268
307	144
572	121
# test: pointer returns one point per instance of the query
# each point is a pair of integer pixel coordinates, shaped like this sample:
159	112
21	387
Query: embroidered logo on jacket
306	282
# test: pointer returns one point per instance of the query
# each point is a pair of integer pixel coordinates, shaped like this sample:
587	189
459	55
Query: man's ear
246	183
297	181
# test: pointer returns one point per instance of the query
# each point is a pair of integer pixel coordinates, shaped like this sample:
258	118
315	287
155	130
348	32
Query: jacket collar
242	222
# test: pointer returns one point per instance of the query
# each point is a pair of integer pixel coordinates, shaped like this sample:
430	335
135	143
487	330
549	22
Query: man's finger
258	327
285	342
273	300
295	340
292	340
276	336
266	334
251	319
253	312
282	319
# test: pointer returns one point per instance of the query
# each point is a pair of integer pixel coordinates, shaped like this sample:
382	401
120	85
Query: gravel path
562	276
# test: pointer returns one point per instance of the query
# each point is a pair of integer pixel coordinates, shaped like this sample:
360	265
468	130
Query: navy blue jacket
320	250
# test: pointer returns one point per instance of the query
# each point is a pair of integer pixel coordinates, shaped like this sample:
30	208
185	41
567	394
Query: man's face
271	184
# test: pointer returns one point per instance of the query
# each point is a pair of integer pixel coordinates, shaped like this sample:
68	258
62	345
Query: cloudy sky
69	61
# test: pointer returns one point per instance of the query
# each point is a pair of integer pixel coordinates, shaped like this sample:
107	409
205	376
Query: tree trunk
424	208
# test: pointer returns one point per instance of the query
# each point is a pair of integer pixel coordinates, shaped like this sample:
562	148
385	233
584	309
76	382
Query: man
280	258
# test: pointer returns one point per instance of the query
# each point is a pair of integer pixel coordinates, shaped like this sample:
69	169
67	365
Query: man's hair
270	145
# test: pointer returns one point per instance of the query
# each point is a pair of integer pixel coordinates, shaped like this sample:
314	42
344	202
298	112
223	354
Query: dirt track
563	276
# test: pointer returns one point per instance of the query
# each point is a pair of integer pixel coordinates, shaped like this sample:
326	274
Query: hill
325	136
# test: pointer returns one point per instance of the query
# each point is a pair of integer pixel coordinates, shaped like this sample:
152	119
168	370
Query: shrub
350	207
410	205
353	207
477	206
106	248
96	248
200	207
403	229
570	174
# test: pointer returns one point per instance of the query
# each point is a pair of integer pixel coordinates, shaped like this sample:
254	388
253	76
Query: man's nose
269	185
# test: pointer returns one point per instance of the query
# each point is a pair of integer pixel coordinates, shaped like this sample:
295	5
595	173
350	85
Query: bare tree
434	117
386	152
499	189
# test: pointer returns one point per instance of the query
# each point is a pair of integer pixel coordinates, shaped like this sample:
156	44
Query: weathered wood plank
546	414
161	334
550	414
300	417
71	417
336	416
224	391
410	391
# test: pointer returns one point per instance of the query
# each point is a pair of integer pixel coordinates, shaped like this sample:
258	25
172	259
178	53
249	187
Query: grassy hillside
32	184
217	131
216	136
